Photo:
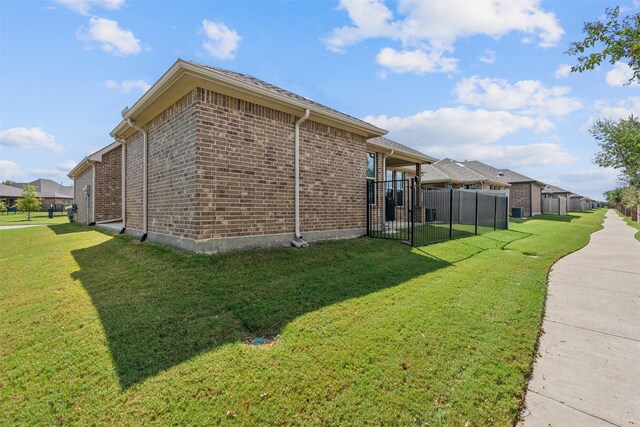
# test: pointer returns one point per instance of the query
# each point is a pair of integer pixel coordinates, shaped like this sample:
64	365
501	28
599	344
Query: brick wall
86	178
245	171
109	186
171	188
536	198
133	182
519	197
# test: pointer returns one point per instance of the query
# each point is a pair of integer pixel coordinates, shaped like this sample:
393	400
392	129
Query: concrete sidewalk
588	369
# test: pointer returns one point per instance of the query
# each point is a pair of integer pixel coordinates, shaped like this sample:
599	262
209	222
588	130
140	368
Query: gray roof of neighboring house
9	191
552	189
502	175
458	172
393	145
272	88
49	188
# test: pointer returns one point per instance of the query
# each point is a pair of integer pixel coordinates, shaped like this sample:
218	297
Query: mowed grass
631	223
20	218
98	330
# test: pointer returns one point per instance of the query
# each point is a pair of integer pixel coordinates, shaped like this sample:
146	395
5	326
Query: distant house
99	171
563	197
213	160
53	194
449	173
10	194
525	192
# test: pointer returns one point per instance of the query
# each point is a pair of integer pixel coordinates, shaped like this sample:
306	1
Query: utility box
517	212
430	214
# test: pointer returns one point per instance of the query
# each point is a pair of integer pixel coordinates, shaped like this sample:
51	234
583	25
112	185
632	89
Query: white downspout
298	242
144	178
123	183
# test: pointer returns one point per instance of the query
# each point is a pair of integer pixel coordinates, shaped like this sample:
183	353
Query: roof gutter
298	242
144	177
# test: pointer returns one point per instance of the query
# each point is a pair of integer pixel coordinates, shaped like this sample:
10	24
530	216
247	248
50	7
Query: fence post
450	213
506	214
367	184
412	213
476	219
495	211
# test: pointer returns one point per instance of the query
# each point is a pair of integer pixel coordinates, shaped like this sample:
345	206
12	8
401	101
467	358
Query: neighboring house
579	203
525	192
10	194
209	163
553	192
449	173
102	170
52	194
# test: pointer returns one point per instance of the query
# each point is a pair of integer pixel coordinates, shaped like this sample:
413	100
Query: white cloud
620	75
59	173
488	56
514	156
221	42
590	182
68	165
110	37
29	138
525	96
127	86
457	126
415	61
10	170
619	110
83	7
433	27
563	71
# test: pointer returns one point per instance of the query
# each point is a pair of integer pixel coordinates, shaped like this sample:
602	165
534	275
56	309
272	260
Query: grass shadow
546	217
67	228
160	307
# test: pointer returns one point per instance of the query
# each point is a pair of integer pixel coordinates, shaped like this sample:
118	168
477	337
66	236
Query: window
371	176
400	188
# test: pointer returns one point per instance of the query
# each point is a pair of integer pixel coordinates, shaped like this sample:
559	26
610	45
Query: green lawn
631	223
20	218
97	329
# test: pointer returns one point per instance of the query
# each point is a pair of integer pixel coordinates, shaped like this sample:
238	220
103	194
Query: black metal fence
399	210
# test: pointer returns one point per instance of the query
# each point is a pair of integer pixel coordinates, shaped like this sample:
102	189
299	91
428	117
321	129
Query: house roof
47	188
501	175
399	150
456	172
552	189
9	191
184	76
90	159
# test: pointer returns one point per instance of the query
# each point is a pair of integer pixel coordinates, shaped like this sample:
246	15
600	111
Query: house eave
184	76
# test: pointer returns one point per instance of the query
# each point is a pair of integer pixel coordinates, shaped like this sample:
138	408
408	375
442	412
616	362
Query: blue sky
471	80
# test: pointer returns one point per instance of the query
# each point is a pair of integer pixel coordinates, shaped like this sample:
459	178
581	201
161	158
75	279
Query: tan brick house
213	160
524	192
101	170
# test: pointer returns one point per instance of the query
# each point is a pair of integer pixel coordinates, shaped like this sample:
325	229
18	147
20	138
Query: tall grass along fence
633	213
401	210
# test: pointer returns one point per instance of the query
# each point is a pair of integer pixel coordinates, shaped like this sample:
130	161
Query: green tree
8	182
631	197
3	205
613	197
29	200
617	39
619	144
